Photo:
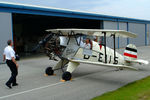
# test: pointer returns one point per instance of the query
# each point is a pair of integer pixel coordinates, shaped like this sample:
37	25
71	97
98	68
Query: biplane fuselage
75	52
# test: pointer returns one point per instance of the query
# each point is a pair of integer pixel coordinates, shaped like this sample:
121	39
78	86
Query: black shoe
8	85
15	84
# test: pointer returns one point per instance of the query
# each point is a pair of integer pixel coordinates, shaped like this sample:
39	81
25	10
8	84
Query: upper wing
94	32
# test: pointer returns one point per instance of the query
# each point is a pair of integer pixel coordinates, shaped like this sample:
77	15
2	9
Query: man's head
87	40
9	42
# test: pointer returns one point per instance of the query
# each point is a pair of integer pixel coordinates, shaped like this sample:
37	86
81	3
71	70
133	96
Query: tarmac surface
88	80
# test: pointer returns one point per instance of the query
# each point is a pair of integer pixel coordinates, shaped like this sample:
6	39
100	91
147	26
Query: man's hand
4	57
17	66
13	59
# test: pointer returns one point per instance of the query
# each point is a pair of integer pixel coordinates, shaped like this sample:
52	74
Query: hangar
26	25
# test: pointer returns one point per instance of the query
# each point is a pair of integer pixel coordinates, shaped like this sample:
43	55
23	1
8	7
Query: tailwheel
66	76
119	68
49	71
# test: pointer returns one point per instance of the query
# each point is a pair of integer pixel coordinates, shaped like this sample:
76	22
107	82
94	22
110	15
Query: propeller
42	42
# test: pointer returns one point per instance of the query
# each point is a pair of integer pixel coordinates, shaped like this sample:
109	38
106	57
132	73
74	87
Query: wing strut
115	61
114	47
105	46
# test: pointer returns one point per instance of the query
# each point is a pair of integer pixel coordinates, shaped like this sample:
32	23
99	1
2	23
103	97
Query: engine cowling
55	46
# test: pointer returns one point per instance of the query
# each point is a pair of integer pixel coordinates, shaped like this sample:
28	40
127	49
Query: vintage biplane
73	47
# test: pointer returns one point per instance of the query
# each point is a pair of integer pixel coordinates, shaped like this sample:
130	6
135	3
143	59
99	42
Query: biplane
74	46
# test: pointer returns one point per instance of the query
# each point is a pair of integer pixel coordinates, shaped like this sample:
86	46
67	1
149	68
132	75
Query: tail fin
130	52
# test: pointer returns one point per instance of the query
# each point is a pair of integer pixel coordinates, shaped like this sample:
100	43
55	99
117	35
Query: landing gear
49	71
66	76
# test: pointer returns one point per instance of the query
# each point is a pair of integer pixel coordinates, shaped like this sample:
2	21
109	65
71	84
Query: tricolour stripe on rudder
130	55
130	52
131	49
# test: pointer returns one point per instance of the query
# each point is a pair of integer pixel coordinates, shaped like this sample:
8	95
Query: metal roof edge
65	12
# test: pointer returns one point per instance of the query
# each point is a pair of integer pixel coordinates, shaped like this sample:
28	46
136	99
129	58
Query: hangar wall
110	25
139	29
5	31
122	41
148	34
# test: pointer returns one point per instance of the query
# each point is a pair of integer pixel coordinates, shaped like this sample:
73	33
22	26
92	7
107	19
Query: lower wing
104	64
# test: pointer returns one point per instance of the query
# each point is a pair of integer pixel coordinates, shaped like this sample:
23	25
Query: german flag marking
130	55
100	46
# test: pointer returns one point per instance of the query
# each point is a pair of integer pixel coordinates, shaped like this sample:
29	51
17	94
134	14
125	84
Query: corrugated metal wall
5	31
148	34
122	41
110	25
139	29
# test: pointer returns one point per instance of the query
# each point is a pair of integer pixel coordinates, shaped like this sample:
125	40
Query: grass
138	90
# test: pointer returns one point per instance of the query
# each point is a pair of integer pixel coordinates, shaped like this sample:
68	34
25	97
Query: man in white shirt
87	48
9	56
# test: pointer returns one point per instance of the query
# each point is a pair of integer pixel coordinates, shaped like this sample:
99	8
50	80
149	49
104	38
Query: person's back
8	51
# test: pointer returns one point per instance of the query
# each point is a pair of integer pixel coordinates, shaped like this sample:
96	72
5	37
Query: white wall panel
5	31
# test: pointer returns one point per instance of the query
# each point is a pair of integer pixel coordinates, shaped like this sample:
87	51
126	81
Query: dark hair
9	42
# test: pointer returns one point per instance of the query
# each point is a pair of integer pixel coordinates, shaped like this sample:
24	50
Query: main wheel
66	76
49	71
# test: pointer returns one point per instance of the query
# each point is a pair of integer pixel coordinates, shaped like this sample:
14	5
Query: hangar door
30	29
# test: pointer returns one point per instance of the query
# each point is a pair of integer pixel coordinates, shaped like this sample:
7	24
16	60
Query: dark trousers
14	72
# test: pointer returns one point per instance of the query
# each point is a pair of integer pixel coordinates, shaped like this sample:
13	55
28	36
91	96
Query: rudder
130	52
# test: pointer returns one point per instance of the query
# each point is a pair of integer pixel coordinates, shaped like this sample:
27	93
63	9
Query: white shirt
87	46
9	53
87	50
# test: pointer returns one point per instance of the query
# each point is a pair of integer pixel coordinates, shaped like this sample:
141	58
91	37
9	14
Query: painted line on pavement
31	90
11	95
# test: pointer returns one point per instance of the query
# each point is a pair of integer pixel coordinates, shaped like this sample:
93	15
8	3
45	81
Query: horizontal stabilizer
140	61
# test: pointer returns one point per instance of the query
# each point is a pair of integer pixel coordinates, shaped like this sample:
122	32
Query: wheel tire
49	71
66	76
